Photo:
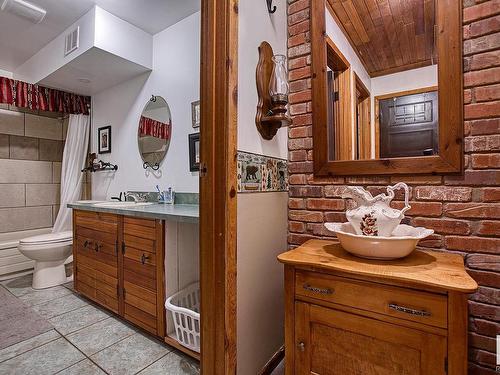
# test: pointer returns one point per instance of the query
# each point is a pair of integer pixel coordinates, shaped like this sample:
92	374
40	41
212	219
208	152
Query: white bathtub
12	262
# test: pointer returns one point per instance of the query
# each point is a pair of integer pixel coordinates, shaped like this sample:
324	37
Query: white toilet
50	252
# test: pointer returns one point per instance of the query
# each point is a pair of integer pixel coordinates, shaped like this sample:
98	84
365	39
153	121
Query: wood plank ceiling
388	35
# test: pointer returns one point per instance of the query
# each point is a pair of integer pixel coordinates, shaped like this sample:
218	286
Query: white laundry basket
185	308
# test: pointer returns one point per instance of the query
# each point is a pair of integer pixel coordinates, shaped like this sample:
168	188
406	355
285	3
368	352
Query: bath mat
18	322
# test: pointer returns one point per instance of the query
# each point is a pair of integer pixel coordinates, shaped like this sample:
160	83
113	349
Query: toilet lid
48	238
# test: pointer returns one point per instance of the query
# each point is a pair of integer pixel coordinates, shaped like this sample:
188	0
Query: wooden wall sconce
272	89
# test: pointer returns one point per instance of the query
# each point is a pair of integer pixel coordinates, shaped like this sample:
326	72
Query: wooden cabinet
119	263
143	264
347	315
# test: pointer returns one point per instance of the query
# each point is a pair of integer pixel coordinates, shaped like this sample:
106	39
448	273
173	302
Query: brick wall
464	211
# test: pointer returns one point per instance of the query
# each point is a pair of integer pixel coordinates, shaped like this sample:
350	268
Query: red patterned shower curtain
35	97
148	126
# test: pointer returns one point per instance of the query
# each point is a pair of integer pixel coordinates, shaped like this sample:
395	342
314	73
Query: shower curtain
75	153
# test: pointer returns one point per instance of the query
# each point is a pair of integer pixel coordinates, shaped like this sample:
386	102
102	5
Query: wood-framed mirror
387	87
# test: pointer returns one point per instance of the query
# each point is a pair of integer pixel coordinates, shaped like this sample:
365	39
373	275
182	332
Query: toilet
50	252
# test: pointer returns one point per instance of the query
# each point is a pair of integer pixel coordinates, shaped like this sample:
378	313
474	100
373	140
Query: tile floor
86	340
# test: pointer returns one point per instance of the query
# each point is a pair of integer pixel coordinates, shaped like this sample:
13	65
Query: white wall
404	81
342	43
262	217
338	37
256	26
114	35
175	77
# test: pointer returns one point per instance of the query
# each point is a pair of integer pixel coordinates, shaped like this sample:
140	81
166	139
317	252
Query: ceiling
388	35
20	39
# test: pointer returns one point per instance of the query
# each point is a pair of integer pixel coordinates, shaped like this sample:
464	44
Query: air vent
72	41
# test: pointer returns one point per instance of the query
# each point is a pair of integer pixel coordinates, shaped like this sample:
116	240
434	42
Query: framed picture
104	138
195	114
194	152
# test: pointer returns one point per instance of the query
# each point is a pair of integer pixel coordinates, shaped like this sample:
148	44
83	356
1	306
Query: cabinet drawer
422	307
97	221
96	235
142	228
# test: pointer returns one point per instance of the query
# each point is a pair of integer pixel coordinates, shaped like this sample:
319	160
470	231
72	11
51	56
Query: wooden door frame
219	78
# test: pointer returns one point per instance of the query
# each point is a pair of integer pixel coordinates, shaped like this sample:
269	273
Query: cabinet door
143	266
338	343
95	256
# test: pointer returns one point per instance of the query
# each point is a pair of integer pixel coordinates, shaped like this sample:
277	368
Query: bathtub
12	262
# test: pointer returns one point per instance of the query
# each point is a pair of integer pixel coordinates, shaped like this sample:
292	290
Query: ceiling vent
24	9
72	41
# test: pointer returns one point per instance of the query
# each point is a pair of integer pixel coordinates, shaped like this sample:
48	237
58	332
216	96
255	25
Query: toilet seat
54	239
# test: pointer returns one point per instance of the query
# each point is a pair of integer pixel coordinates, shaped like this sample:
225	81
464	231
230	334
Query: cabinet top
434	269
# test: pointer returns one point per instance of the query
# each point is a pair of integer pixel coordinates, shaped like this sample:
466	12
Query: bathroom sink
122	204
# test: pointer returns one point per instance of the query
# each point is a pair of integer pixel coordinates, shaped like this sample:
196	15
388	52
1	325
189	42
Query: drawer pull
408	310
316	289
87	244
144	258
301	346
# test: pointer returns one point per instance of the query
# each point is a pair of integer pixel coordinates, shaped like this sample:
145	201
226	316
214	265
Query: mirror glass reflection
154	131
381	80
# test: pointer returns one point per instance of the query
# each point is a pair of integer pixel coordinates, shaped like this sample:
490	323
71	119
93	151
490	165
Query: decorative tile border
259	173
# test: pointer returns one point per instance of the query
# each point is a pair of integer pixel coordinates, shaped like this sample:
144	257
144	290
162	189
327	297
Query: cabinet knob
144	258
301	346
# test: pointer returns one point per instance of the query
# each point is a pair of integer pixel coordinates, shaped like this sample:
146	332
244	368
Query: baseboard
273	362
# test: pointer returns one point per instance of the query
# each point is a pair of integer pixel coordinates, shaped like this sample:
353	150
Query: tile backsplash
31	149
259	173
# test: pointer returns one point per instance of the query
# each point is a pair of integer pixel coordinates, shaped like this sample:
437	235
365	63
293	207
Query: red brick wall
464	211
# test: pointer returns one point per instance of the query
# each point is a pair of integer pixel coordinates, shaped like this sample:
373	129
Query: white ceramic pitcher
373	216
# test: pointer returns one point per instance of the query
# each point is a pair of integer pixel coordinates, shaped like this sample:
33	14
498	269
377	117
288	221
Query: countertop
438	270
186	213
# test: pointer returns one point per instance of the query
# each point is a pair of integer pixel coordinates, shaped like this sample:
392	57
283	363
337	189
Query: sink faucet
118	198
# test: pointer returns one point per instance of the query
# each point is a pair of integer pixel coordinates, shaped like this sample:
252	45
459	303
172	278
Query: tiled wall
464	211
31	149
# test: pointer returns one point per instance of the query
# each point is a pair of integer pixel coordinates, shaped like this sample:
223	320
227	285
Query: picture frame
104	140
194	152
196	114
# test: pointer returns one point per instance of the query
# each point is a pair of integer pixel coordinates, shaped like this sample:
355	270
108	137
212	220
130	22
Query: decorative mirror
154	132
387	88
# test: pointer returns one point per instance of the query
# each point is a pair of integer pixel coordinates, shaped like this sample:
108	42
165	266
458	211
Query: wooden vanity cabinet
347	315
119	264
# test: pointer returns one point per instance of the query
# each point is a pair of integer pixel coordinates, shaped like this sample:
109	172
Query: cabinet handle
144	258
87	244
315	289
408	310
97	247
301	346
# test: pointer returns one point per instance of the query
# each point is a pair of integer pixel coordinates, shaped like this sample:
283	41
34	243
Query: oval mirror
155	131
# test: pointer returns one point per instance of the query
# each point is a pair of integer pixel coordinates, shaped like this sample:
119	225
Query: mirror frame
450	94
145	163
